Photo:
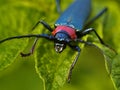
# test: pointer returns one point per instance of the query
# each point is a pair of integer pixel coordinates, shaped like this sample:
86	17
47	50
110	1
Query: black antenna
46	36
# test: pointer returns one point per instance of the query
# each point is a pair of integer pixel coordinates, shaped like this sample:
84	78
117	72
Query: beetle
70	27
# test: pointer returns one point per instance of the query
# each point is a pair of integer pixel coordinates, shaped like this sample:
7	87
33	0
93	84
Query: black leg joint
47	26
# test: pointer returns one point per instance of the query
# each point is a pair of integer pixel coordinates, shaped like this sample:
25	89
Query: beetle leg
47	26
74	62
89	30
34	44
58	5
31	50
96	17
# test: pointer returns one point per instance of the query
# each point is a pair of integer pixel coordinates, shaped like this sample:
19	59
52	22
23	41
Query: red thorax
70	31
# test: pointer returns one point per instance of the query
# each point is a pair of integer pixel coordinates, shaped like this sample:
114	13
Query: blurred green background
90	72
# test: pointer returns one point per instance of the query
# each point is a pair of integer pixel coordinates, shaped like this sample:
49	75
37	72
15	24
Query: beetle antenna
46	36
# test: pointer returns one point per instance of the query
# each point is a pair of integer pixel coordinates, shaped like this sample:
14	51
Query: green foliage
53	67
111	33
18	17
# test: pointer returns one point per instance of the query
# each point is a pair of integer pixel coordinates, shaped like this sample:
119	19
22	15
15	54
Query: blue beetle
69	28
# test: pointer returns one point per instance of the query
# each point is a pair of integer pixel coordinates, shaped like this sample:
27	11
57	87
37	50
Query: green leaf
18	17
116	71
15	19
111	34
53	67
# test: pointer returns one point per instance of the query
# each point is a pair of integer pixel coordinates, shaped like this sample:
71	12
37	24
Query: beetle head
61	42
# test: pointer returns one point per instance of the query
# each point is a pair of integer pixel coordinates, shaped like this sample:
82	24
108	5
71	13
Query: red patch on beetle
70	31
